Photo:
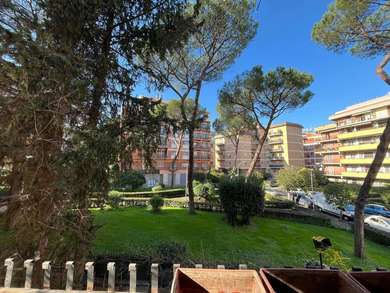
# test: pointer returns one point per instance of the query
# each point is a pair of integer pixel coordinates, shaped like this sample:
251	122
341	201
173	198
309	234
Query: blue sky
284	39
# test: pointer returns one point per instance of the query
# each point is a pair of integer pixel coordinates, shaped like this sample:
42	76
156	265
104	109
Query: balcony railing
361	133
275	133
275	141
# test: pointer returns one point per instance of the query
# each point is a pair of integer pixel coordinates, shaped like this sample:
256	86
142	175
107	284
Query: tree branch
380	69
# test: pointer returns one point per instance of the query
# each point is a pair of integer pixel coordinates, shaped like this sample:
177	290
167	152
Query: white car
323	205
378	222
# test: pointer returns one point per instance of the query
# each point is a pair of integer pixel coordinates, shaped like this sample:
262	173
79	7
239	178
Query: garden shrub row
297	217
170	193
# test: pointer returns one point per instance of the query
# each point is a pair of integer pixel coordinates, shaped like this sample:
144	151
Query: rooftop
363	107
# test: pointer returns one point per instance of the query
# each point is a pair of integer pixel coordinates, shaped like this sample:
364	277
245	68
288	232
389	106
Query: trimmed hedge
377	236
296	216
280	204
178	192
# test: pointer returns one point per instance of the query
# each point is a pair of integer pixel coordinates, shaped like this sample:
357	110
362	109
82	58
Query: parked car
304	200
320	201
376	209
378	222
348	212
370	209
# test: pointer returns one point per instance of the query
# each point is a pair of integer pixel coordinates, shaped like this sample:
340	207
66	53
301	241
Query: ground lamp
321	244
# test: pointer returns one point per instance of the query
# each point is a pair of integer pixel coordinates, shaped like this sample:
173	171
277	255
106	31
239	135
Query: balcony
277	150
330	163
275	133
362	133
275	141
361	147
361	161
276	158
383	176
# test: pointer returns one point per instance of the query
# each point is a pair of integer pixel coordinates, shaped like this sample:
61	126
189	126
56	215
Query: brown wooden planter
308	281
216	281
378	282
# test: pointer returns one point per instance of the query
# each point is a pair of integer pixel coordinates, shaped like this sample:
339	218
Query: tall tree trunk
191	129
365	189
259	148
237	141
372	172
190	173
173	164
101	74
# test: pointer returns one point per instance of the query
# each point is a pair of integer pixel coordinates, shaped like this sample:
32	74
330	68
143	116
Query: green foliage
214	176
166	193
158	187
205	190
226	29
201	177
241	198
294	178
335	258
128	180
262	98
267	242
156	202
340	194
171	251
67	112
248	95
362	26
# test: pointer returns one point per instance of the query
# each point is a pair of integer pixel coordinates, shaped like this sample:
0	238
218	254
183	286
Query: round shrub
205	190
241	198
156	203
158	187
129	180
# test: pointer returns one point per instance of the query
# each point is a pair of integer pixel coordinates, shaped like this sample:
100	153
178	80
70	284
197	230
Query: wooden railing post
69	265
9	263
154	277
28	265
111	276
133	278
46	267
89	267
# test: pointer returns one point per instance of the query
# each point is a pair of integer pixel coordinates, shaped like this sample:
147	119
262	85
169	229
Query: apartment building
236	152
329	151
311	150
359	128
283	147
164	158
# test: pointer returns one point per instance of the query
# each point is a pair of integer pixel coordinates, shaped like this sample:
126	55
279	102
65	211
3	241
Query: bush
205	190
157	203
215	176
168	193
241	198
128	180
171	251
158	187
201	177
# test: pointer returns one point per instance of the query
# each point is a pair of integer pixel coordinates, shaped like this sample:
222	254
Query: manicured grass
266	242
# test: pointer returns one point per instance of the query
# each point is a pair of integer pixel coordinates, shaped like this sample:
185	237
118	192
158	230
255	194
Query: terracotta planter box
378	282
308	281
216	281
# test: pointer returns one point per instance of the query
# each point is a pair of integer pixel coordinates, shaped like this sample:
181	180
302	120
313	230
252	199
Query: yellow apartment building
283	148
359	128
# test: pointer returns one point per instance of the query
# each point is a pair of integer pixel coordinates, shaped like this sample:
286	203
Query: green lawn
267	242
